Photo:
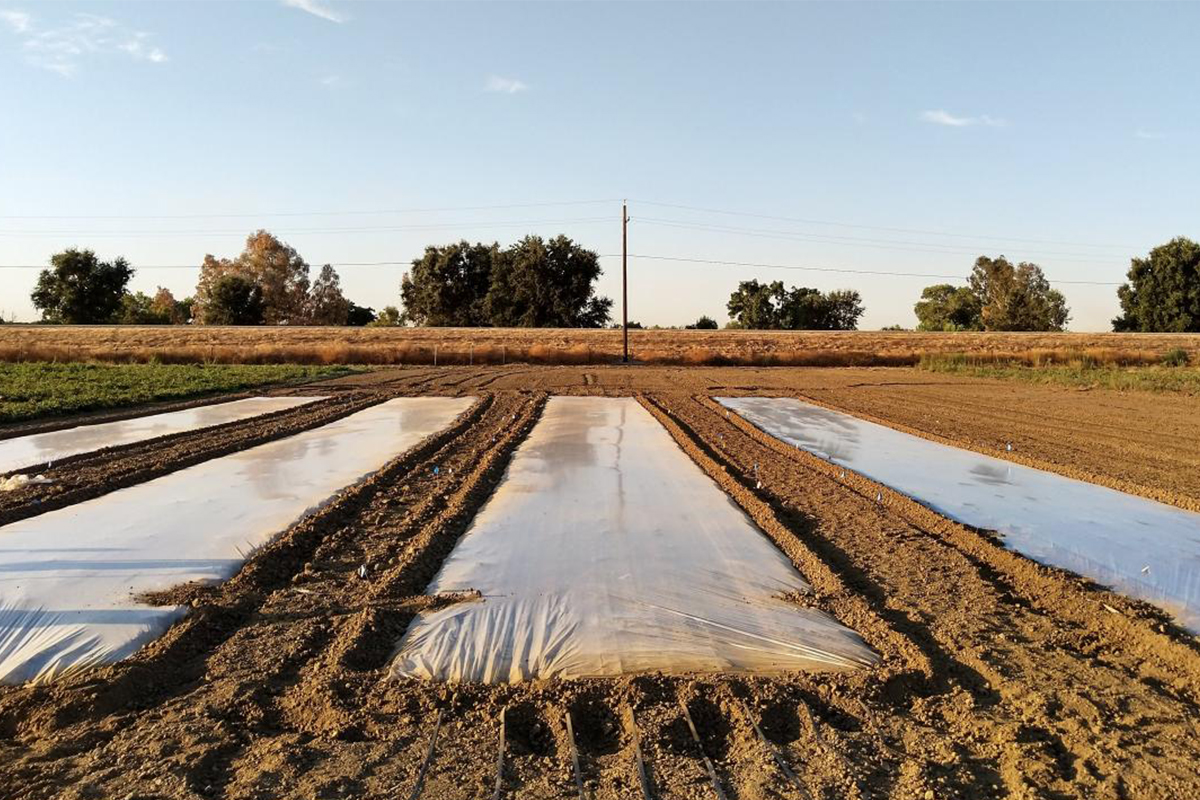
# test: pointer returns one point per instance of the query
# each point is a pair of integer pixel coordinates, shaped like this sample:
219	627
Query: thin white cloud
138	48
316	8
331	80
61	49
19	21
495	83
942	117
1142	133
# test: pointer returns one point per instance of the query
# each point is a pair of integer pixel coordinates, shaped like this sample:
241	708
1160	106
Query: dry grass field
445	346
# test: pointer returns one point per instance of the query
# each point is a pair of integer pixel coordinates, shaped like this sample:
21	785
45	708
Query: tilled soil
1138	442
999	678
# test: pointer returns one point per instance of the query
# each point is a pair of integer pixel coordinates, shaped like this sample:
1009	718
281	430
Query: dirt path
1000	678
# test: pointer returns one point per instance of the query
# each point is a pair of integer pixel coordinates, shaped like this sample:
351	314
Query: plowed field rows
999	677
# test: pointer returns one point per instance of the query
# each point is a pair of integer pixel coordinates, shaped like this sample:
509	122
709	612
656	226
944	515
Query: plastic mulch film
69	578
606	551
40	448
1141	548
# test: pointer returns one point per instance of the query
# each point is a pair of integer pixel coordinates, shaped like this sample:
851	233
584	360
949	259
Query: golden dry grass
304	345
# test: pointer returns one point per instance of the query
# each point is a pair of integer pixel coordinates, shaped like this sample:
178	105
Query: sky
830	141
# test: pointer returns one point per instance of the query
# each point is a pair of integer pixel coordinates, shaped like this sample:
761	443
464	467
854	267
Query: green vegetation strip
1181	379
32	390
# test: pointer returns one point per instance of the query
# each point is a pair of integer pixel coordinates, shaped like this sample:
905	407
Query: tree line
1162	294
268	283
551	283
531	284
999	296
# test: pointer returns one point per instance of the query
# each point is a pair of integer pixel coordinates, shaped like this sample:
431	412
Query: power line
847	241
313	213
553	203
919	231
306	231
836	269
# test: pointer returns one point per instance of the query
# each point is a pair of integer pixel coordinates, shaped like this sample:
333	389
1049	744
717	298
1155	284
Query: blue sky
894	137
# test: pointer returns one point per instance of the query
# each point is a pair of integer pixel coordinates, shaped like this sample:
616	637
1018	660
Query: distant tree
278	270
166	307
79	289
187	310
703	324
359	316
326	305
757	305
841	310
448	286
390	317
546	284
768	306
893	328
802	309
139	309
1016	298
944	307
234	300
1163	292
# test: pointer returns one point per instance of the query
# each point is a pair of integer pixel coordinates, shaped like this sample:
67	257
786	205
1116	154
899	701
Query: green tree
185	310
1163	292
359	316
278	270
326	305
1016	298
234	300
705	323
768	306
390	317
448	286
540	284
79	289
139	309
944	307
757	305
843	309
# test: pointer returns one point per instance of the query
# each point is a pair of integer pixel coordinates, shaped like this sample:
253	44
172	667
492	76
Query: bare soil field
1137	442
999	677
313	345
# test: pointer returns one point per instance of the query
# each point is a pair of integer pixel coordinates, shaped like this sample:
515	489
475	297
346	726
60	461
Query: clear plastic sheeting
68	578
39	448
1136	546
606	551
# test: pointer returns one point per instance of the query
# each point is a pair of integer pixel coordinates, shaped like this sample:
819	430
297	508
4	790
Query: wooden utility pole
625	278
